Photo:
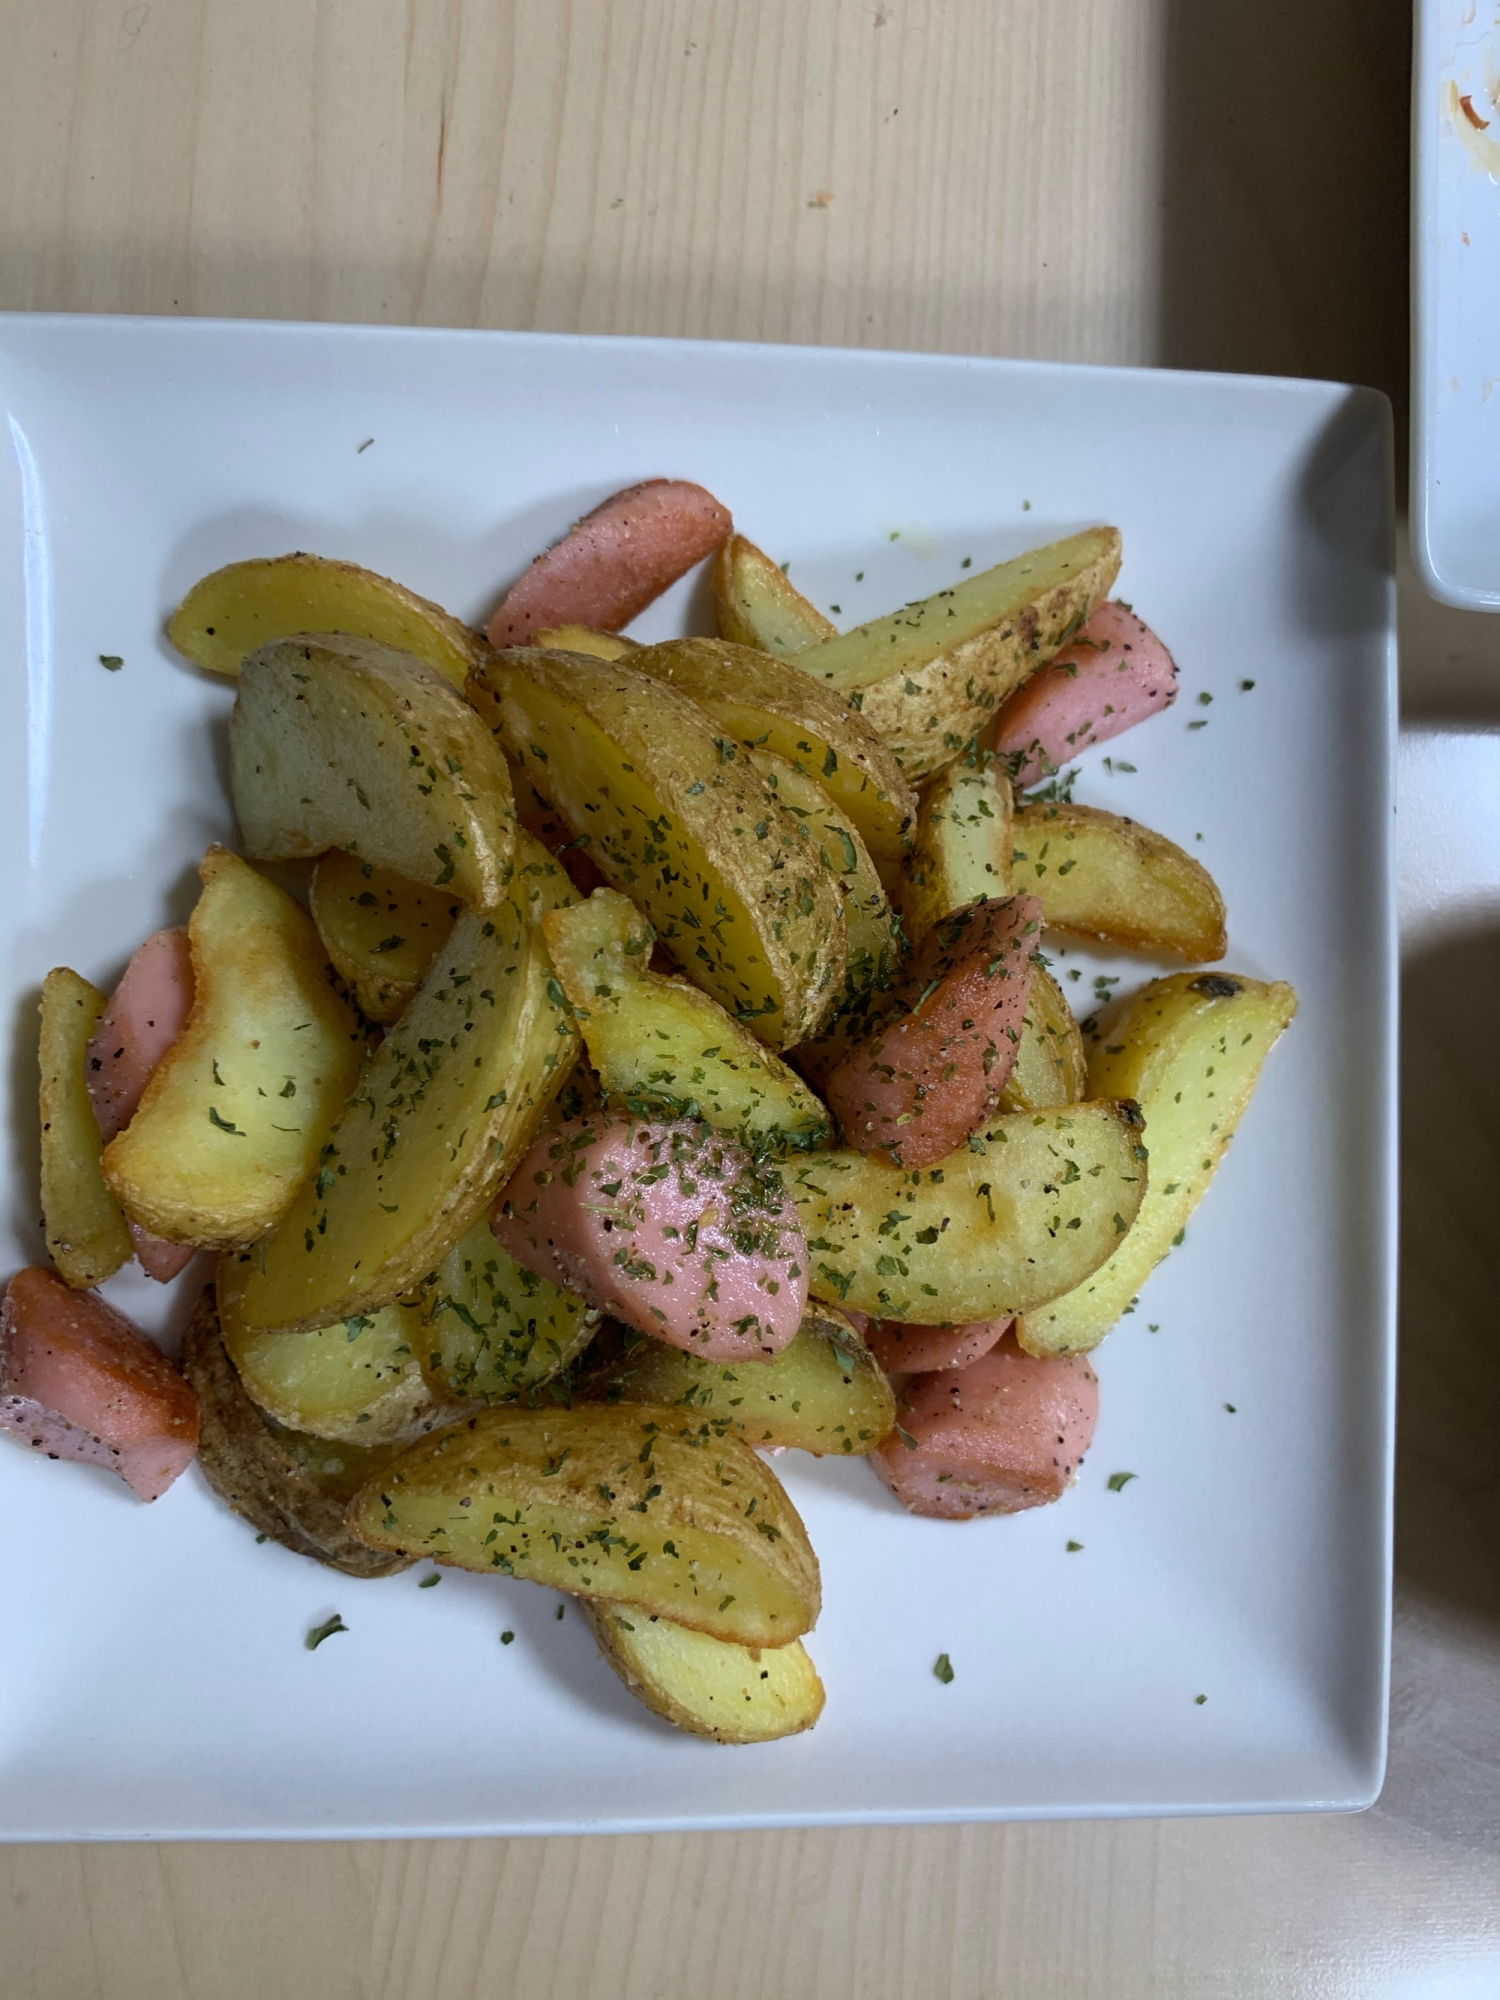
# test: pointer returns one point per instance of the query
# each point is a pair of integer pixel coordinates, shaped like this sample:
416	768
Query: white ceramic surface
1455	460
153	1678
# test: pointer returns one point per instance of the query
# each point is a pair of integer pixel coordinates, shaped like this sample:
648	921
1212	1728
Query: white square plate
155	1679
1455	391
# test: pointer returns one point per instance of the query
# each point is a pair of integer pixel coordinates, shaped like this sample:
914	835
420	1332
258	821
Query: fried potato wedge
929	676
491	1328
650	1507
962	849
1100	876
338	742
1025	1212
87	1235
268	1475
1189	1049
236	1112
236	610
1050	1067
443	1110
769	704
826	1393
381	932
677	819
755	603
663	1049
356	1382
584	639
732	1694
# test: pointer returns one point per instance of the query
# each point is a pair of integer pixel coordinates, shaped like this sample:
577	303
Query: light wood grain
1117	180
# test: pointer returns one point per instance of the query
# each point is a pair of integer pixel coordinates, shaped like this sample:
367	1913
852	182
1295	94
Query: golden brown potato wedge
584	639
380	931
491	1328
443	1111
755	604
1050	1066
234	611
356	1382
1022	1214
338	742
770	704
676	818
1189	1049
87	1236
962	849
237	1111
643	1506
928	677
732	1694
1100	876
664	1049
268	1475
825	1393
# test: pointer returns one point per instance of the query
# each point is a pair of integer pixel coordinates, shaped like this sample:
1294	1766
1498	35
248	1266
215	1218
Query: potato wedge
770	704
678	820
962	849
1100	876
444	1109
756	604
1023	1213
663	1049
230	613
732	1694
356	1382
381	932
263	1472
1050	1067
1189	1049
825	1393
645	1506
491	1328
929	676
584	639
338	742
87	1235
236	1112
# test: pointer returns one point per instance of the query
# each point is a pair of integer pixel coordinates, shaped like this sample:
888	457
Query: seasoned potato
652	1507
584	639
356	1382
1023	1213
928	677
246	605
444	1109
962	849
756	605
678	820
1099	876
338	742
380	931
233	1118
283	1489
1050	1066
492	1328
824	1393
87	1236
769	704
1189	1049
733	1694
663	1048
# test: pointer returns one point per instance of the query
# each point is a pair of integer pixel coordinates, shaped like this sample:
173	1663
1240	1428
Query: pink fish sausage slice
145	1015
919	1350
1115	674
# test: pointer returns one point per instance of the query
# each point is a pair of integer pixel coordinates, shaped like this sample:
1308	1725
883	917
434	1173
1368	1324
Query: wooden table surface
1205	185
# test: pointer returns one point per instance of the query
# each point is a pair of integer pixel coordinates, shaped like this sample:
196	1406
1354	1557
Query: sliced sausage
933	1069
1115	674
673	1228
615	561
145	1015
903	1349
78	1381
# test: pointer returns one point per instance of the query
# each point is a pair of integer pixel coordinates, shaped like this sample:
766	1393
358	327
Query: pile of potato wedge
577	877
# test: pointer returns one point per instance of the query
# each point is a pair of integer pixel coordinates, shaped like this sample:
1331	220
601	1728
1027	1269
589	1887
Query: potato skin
255	1474
730	1694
